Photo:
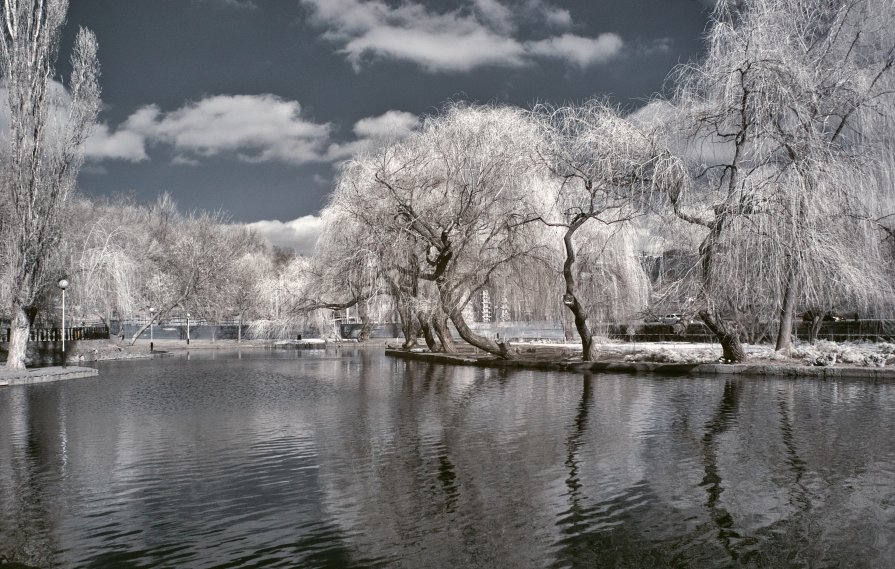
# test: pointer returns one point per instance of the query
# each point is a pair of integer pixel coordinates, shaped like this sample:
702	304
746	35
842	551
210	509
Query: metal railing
56	334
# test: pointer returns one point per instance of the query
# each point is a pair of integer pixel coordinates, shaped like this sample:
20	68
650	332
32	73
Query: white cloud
558	17
182	160
256	128
370	131
300	234
390	124
122	144
496	15
579	50
479	33
452	50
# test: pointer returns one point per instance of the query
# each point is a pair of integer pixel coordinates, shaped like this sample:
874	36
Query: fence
56	334
841	331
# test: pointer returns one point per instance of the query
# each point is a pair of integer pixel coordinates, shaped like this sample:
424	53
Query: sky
249	106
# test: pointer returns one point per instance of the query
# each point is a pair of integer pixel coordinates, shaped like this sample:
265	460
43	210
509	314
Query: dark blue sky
247	105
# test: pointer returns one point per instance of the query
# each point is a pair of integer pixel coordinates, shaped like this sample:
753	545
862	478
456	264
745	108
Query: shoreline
44	374
542	357
754	369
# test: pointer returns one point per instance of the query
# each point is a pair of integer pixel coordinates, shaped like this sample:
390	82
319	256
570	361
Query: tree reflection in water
355	460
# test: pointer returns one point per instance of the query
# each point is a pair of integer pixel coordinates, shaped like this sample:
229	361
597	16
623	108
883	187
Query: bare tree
189	258
454	195
606	172
773	107
43	153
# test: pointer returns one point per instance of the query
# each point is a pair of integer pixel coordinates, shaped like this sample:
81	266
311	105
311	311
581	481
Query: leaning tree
604	172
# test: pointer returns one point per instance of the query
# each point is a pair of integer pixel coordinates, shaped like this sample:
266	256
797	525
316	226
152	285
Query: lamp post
151	321
187	328
63	284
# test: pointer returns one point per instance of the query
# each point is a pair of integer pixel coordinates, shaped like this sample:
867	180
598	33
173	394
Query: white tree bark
45	146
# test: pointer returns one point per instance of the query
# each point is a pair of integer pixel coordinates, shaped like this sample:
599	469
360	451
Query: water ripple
350	459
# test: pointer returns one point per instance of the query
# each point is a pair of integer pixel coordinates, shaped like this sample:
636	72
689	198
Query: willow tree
606	171
43	149
772	111
451	199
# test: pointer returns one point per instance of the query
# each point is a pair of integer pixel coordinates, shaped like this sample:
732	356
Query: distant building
486	306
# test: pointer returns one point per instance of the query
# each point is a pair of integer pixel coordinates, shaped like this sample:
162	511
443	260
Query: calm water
351	459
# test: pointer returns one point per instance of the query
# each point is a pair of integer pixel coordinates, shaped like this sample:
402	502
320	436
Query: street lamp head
63	284
152	310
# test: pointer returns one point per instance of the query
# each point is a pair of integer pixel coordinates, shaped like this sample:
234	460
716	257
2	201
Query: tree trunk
408	327
497	348
571	301
731	348
20	327
137	334
367	327
787	311
439	323
239	329
817	321
426	327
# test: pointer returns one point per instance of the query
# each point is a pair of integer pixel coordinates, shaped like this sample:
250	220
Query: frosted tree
188	258
604	173
773	116
43	150
456	195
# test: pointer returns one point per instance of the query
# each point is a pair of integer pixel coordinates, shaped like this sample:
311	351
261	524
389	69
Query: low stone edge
45	374
670	369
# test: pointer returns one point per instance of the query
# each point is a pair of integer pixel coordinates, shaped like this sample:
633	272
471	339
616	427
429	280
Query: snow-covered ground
821	353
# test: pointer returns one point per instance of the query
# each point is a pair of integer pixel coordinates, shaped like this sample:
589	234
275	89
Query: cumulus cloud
390	124
479	33
122	144
256	128
253	128
182	160
370	131
299	234
579	50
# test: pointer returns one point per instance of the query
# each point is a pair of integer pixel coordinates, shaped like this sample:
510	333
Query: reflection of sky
349	459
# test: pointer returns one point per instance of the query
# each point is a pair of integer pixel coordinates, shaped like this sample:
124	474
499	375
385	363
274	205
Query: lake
347	458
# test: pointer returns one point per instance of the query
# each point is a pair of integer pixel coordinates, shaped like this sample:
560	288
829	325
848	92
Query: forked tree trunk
426	327
731	347
20	327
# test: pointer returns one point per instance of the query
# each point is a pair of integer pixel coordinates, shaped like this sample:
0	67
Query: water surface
351	459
